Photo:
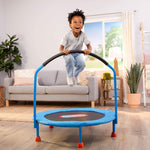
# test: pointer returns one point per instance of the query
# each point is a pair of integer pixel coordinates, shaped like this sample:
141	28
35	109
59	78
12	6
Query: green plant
9	55
106	76
106	81
133	77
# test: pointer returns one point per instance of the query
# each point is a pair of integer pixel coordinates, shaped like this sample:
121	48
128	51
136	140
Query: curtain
128	45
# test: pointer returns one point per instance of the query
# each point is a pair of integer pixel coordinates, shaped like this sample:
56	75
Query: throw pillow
24	77
83	76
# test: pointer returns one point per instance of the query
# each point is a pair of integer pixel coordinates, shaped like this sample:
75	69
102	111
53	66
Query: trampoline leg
37	139
80	144
113	133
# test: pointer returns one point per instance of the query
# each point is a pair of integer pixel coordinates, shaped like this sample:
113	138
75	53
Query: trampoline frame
108	117
114	117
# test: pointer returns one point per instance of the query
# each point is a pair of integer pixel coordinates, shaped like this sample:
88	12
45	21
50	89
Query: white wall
1	20
2	35
40	24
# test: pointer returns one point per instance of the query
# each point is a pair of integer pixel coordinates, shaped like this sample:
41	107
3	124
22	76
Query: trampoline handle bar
74	51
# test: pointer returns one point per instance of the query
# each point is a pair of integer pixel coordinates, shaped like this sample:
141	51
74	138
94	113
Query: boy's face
76	24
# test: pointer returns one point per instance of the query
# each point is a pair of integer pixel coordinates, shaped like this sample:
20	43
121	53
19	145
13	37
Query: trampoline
74	117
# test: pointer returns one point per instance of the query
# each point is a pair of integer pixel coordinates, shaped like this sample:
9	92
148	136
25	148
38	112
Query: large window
106	41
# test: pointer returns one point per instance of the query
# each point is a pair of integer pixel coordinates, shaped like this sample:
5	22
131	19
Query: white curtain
128	45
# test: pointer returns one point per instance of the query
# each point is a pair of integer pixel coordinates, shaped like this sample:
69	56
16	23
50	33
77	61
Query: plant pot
134	99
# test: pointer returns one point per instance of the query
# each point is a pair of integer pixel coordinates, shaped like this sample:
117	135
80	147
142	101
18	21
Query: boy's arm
61	49
88	50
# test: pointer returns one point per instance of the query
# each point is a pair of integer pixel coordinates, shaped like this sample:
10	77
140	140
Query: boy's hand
61	49
87	51
66	51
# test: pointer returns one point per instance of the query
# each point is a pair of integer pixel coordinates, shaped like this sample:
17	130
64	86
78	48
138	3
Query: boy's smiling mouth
77	27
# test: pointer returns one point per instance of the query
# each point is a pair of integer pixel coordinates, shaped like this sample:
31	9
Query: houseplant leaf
133	77
9	54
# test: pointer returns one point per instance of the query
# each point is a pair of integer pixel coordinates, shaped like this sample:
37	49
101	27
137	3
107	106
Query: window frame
104	18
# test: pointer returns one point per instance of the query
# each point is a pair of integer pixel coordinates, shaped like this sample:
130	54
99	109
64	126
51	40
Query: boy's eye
76	22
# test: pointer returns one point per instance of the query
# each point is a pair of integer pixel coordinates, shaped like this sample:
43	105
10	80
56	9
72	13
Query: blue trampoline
74	117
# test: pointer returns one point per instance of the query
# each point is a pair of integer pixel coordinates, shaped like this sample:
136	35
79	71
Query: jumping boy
74	40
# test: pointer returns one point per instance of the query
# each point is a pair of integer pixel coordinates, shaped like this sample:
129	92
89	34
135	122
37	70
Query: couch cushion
61	78
47	78
25	89
24	81
65	89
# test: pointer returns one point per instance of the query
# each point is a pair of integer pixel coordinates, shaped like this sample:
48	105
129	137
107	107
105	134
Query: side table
103	98
1	96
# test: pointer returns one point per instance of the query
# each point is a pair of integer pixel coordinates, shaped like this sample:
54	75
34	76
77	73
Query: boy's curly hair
77	12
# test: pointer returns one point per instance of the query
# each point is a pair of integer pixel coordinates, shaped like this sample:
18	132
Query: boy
74	40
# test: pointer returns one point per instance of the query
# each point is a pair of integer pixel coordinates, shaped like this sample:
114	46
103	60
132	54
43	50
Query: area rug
24	113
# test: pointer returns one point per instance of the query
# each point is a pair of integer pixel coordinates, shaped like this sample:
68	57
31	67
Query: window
106	40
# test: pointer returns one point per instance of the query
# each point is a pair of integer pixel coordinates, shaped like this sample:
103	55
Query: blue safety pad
108	117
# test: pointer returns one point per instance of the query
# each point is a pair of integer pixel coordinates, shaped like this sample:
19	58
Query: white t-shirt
71	42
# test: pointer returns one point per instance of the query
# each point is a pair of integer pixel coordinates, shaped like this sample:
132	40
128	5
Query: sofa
52	86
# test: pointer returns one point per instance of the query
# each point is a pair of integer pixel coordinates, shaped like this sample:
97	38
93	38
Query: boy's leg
69	64
69	60
79	64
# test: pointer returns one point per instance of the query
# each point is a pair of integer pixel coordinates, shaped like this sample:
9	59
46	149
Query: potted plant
133	78
9	55
106	81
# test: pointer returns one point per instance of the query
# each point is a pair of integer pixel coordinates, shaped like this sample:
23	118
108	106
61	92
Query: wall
1	20
40	24
2	35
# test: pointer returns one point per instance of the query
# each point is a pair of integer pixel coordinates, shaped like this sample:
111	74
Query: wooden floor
133	133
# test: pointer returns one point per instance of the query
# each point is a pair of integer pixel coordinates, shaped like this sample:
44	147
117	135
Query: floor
133	130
